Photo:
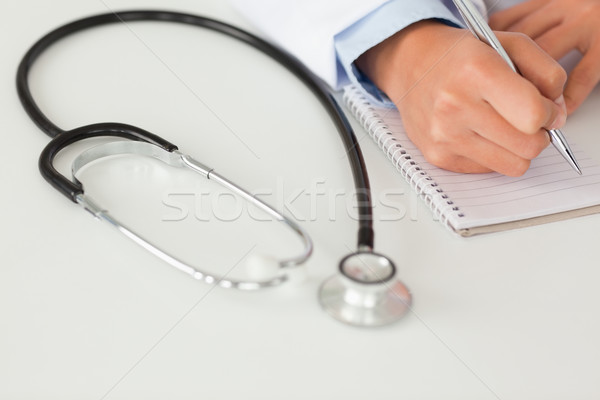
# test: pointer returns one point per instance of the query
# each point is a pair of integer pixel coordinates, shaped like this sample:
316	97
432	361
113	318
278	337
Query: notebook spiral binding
426	188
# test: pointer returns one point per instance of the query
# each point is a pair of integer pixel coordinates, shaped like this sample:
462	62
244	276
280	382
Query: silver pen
482	31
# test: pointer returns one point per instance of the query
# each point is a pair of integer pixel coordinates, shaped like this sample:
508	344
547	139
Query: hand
461	104
560	26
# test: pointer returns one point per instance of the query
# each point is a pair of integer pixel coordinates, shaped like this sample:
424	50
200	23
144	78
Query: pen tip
560	143
575	164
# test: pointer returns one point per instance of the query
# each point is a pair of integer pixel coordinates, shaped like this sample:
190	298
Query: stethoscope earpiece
365	292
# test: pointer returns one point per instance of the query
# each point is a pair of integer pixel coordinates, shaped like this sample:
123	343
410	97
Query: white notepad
470	204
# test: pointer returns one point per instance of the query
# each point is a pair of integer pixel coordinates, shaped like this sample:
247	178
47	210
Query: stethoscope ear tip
366	292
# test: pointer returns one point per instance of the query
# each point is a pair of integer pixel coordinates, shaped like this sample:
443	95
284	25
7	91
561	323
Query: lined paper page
549	186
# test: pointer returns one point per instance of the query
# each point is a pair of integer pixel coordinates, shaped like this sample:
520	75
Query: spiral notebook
471	204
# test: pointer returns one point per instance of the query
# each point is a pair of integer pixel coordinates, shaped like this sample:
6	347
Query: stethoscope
364	293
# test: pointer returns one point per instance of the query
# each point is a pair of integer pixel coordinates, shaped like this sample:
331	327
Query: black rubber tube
314	83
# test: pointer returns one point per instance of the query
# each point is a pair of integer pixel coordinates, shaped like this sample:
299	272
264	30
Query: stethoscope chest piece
365	292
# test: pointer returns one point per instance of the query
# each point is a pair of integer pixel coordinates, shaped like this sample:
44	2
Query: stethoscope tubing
71	189
316	85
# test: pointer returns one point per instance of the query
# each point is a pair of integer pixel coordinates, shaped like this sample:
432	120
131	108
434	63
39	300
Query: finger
560	40
494	128
538	22
503	19
492	156
466	150
557	42
584	77
536	65
463	165
516	99
469	152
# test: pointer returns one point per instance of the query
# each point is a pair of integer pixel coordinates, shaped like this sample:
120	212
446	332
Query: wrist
394	63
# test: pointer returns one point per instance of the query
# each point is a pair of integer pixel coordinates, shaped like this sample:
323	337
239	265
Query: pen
482	31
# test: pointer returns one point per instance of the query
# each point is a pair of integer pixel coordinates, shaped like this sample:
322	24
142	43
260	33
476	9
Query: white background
86	314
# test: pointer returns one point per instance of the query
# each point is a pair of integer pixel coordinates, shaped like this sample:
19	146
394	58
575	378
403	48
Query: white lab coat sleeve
306	28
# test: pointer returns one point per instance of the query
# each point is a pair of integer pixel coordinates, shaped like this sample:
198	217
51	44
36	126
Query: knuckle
441	151
475	68
446	103
437	139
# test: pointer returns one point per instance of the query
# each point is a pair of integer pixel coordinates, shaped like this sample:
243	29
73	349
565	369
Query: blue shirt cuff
379	25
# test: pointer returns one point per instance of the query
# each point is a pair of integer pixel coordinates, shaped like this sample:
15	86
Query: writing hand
461	104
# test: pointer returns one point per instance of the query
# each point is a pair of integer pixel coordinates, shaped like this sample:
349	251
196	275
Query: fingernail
561	103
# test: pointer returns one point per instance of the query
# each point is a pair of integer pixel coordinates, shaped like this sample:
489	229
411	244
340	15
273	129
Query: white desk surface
86	314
